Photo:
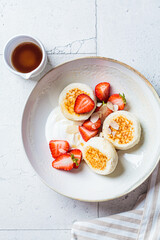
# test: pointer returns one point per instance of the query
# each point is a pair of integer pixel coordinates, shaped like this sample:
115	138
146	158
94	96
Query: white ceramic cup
12	44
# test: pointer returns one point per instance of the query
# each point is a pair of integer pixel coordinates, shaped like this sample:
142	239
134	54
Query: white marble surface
125	30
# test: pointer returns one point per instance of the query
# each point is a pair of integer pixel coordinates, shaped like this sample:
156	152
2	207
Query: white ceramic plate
134	166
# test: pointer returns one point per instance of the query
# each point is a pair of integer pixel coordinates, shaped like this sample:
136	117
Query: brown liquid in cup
26	57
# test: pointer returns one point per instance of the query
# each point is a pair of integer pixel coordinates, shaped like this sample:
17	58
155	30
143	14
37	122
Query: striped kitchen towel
142	223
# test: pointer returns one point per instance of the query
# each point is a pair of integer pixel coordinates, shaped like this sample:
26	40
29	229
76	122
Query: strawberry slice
92	126
58	147
76	154
118	99
86	134
63	162
102	91
83	104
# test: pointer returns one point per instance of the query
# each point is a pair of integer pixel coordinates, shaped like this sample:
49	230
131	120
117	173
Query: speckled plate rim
155	95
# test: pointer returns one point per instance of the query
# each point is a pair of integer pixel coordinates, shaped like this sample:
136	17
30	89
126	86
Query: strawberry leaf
75	160
123	97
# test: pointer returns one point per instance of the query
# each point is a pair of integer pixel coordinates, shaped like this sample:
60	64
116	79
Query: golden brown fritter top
95	158
70	99
125	132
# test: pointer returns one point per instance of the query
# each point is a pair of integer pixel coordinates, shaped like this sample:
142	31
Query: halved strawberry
77	154
83	104
118	99
102	91
86	134
63	162
58	147
92	126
